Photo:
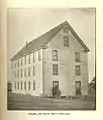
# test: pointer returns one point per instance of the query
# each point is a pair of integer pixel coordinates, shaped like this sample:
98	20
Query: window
55	55
29	85
18	73
55	69
33	57
15	85
29	59
25	59
39	55
29	71
77	57
21	73
33	70
21	85
25	72
66	41
33	85
21	62
18	62
78	70
65	29
18	85
25	85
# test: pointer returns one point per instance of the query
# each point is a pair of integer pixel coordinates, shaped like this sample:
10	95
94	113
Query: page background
78	115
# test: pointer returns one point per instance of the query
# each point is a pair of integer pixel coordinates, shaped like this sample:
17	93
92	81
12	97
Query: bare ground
27	102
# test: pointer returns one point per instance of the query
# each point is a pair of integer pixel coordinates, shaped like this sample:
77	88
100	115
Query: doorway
78	87
55	88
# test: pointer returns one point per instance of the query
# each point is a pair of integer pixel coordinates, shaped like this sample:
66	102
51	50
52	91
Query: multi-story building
56	59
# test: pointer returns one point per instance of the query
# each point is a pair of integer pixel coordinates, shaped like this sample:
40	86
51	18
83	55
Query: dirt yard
27	102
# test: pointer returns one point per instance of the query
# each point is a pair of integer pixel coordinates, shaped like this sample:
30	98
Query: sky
27	24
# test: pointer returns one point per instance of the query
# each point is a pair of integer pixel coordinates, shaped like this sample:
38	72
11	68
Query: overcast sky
27	24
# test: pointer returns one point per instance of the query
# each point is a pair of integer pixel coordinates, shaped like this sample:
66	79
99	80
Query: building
57	60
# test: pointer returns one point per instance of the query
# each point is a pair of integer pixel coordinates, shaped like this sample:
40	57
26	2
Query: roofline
25	54
71	29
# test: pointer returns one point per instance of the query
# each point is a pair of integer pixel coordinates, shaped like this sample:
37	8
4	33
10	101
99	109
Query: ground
28	102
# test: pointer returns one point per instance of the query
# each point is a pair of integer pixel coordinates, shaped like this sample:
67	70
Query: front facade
55	60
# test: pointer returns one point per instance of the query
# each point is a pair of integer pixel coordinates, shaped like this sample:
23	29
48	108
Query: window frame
21	61
33	57
55	55
34	85
25	59
29	85
55	69
66	41
77	56
18	73
33	70
15	85
78	70
29	70
18	86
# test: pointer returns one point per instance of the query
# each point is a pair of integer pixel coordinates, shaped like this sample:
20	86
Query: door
78	87
55	88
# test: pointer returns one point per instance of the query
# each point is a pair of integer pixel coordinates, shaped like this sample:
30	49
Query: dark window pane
18	73
18	85
55	69
21	62
25	85
29	59
66	41
33	57
29	71
33	70
15	85
33	85
25	72
21	86
77	57
55	55
29	85
78	70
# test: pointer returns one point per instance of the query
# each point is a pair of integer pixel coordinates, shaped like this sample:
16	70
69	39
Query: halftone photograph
51	59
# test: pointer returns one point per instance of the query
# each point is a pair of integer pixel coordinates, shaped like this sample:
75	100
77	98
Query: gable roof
42	40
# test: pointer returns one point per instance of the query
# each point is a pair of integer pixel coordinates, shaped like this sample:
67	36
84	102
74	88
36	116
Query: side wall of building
31	81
